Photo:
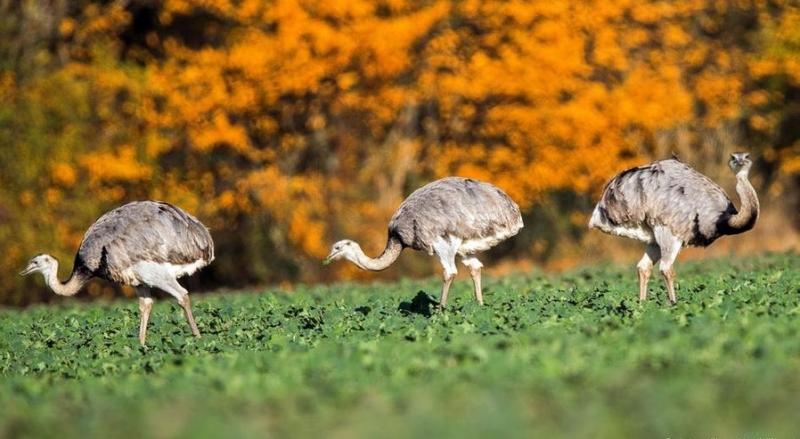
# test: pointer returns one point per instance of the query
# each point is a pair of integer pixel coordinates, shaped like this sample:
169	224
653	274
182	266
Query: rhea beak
330	257
28	270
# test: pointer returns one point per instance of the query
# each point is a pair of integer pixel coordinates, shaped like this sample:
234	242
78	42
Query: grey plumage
146	244
143	231
668	205
450	217
454	206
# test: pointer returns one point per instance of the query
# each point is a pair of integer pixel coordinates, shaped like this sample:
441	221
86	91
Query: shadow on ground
421	304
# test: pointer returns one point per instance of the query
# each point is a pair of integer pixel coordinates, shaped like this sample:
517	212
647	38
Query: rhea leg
176	290
474	266
670	246
448	279
645	266
145	306
187	310
446	250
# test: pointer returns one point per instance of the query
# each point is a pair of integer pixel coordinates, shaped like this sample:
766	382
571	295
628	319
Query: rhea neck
749	207
69	288
389	255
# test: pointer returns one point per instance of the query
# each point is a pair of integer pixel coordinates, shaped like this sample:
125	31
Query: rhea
450	217
145	244
668	205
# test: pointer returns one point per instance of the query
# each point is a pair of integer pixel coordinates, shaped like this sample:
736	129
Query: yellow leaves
780	53
119	165
647	12
608	51
64	174
67	26
674	35
317	118
26	198
790	159
349	10
219	132
52	195
792	69
347	80
8	86
99	21
291	201
387	42
226	200
720	92
654	98
760	123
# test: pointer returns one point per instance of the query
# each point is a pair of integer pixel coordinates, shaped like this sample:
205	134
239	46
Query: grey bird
668	205
450	217
145	244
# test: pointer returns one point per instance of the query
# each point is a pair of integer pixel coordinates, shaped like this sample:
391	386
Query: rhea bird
145	244
450	217
668	205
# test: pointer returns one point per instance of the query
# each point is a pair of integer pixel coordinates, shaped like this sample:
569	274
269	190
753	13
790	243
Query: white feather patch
156	273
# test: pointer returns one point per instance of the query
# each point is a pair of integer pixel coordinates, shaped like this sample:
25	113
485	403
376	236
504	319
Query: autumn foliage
287	124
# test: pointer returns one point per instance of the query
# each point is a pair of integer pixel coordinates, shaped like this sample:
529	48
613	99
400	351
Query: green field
573	355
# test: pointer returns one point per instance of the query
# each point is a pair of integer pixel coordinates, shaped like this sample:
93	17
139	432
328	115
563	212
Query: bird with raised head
145	244
668	205
450	217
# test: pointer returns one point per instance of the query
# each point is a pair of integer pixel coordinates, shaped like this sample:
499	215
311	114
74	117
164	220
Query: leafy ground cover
573	355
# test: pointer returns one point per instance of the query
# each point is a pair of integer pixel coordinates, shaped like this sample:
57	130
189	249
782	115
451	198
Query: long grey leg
446	250
145	306
670	247
474	266
176	290
448	279
645	266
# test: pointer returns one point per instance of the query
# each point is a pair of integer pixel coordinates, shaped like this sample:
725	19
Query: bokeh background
286	125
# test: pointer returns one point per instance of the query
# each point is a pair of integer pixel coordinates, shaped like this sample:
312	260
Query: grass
573	355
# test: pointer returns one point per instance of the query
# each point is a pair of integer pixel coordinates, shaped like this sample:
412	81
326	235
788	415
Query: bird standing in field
146	244
450	217
668	205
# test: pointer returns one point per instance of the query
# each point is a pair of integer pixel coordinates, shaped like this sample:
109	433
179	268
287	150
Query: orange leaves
293	201
290	123
64	174
387	43
219	132
119	165
723	93
777	66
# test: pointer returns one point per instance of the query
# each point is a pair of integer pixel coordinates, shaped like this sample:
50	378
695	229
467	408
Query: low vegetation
570	355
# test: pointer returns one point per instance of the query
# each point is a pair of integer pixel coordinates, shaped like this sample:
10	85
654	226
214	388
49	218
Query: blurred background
286	125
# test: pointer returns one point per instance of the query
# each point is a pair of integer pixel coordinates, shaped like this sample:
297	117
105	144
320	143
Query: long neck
69	288
747	215
389	255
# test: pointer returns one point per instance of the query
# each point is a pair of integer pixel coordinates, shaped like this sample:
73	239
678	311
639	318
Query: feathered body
146	244
450	217
117	244
666	193
478	213
669	205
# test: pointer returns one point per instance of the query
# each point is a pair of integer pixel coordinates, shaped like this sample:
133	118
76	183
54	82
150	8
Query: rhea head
345	248
740	162
41	263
